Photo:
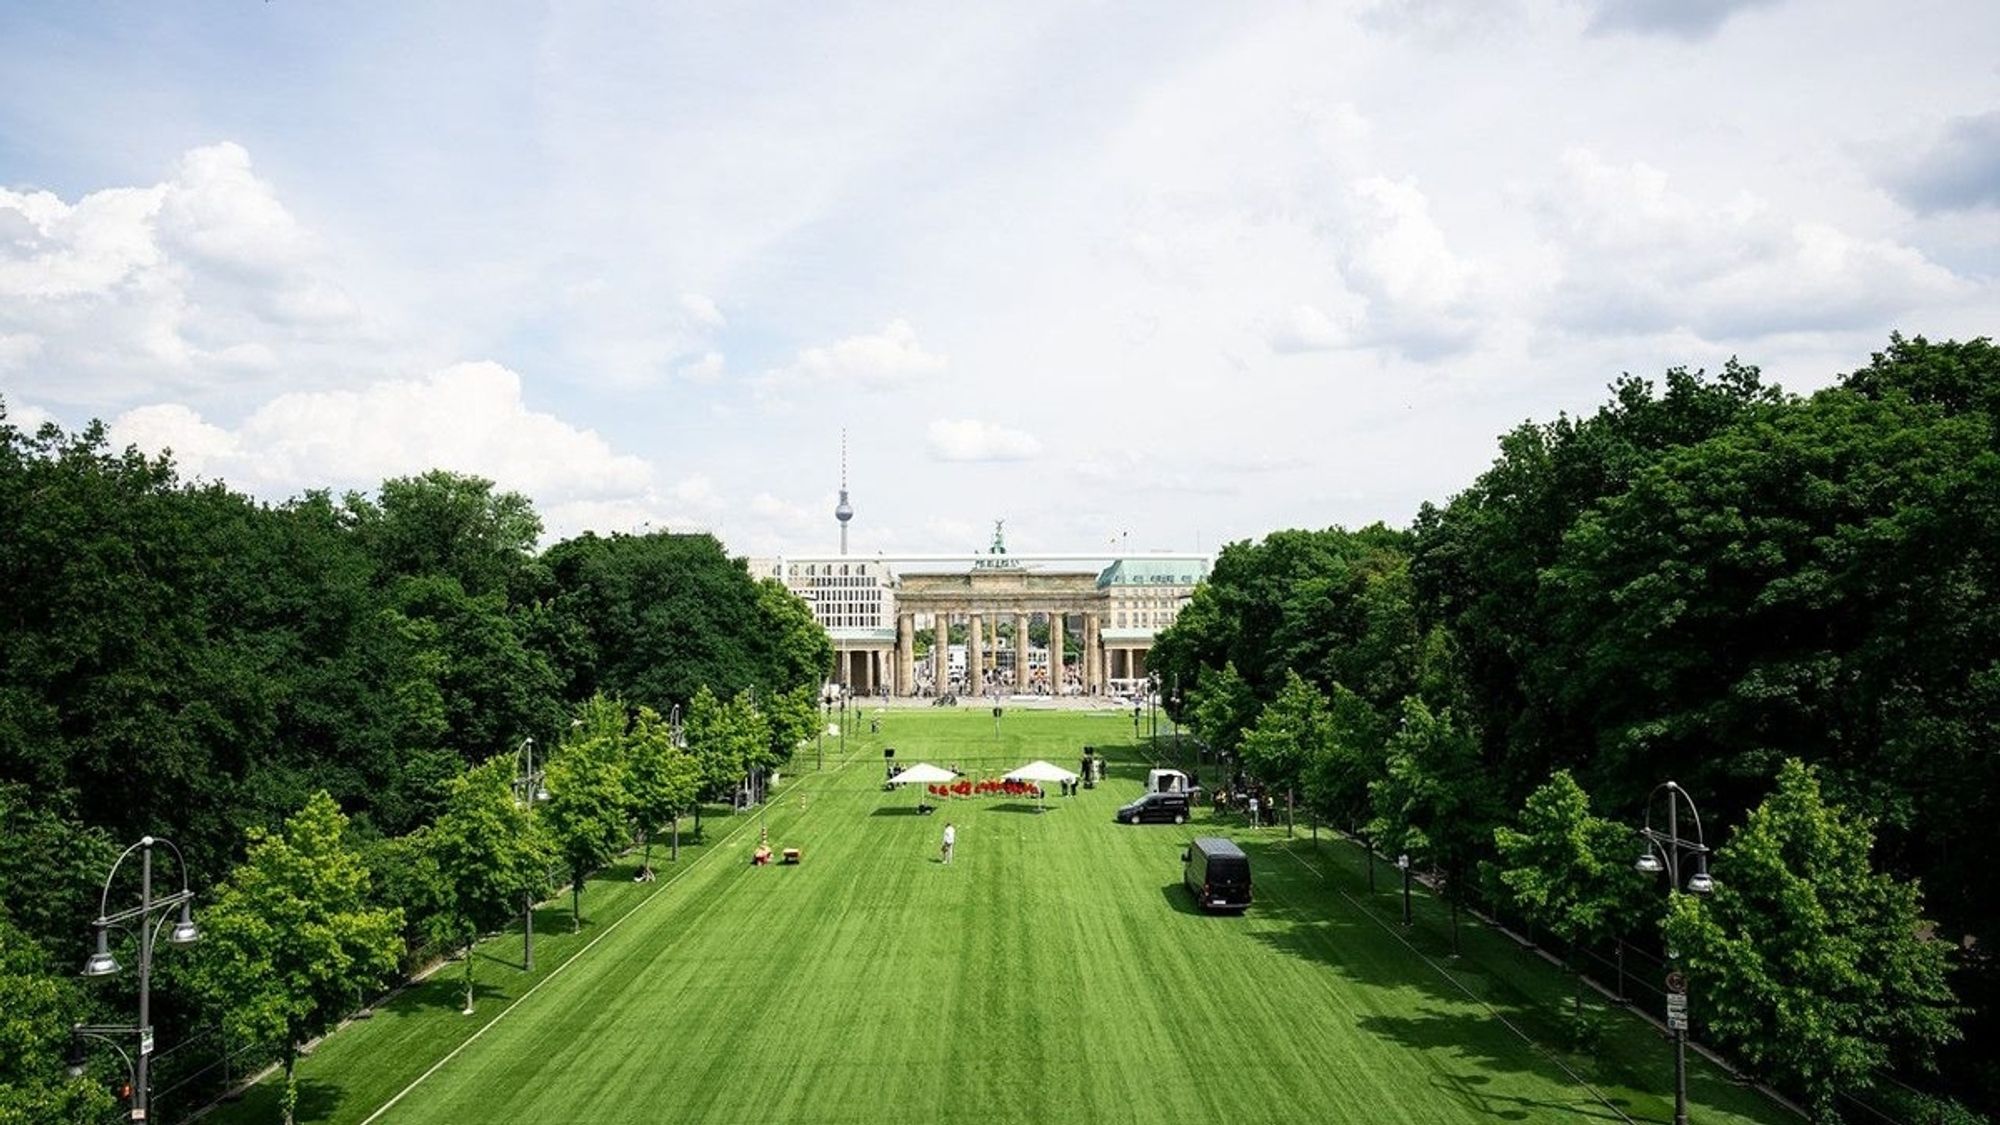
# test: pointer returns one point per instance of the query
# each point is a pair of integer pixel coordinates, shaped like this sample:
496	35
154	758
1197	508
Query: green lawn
1055	972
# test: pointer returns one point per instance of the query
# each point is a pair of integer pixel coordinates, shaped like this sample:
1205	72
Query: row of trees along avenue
331	707
1788	604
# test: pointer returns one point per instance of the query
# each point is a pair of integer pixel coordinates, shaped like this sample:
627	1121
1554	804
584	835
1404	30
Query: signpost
1677	1002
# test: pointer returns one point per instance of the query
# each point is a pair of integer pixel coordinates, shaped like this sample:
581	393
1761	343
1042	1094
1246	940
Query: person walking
950	838
1253	810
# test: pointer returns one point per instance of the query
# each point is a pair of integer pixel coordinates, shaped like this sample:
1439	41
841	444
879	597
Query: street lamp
1663	853
529	785
102	963
1403	861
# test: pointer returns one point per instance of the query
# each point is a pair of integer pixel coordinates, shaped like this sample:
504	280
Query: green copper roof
1153	572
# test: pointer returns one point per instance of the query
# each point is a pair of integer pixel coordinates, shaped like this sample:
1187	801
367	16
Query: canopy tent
923	773
1041	773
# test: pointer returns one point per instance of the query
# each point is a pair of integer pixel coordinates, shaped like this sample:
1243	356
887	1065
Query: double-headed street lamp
103	964
1663	853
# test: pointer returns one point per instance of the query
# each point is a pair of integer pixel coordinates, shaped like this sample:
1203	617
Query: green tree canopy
487	848
1806	961
1434	800
663	781
1567	869
290	938
586	809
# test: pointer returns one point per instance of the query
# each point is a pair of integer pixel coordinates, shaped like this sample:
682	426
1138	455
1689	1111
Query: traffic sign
1677	983
146	1041
1677	1011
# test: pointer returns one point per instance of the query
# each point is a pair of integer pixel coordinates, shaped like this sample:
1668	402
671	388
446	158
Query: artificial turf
1056	971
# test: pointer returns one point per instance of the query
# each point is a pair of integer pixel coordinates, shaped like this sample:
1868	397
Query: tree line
1788	604
324	704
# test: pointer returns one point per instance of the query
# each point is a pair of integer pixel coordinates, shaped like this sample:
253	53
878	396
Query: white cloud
1959	170
201	283
1306	329
26	417
1684	19
467	418
889	358
972	440
703	310
17	349
710	368
1638	257
698	492
197	446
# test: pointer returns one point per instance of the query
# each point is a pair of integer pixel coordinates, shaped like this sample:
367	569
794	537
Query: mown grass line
1056	972
355	1070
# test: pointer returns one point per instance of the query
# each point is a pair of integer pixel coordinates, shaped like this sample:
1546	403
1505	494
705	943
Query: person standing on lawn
950	838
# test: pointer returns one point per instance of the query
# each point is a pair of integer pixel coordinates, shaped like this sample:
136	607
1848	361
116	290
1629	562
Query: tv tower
844	511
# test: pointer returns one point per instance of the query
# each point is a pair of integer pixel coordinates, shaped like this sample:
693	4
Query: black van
1217	873
1160	808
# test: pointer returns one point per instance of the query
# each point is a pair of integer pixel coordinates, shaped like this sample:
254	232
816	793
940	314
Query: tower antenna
844	511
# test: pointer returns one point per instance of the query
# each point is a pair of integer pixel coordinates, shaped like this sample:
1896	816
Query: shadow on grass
317	1101
1484	1043
445	989
1016	807
900	810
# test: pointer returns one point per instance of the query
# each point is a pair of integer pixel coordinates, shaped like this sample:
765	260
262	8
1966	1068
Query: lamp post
1403	861
1663	853
679	739
529	785
102	963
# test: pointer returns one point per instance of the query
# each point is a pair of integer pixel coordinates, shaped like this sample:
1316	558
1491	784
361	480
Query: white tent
1041	773
923	773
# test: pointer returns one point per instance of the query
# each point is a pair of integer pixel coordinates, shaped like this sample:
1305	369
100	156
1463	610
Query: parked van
1165	808
1217	873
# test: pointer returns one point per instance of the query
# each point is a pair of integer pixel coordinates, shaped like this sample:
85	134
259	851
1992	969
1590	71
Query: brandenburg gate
998	588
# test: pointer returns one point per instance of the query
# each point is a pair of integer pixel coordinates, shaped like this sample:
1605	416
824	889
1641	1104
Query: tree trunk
576	902
290	1099
676	855
1368	845
471	938
1451	892
646	863
697	821
1575	978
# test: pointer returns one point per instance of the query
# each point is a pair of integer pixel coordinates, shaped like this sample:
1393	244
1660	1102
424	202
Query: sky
1146	276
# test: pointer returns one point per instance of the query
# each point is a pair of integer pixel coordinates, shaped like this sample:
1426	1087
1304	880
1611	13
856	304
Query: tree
663	782
587	798
37	1008
447	524
791	718
1291	732
712	738
1224	706
1434	801
751	731
1353	757
291	939
1569	871
487	848
789	642
1811	965
659	615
